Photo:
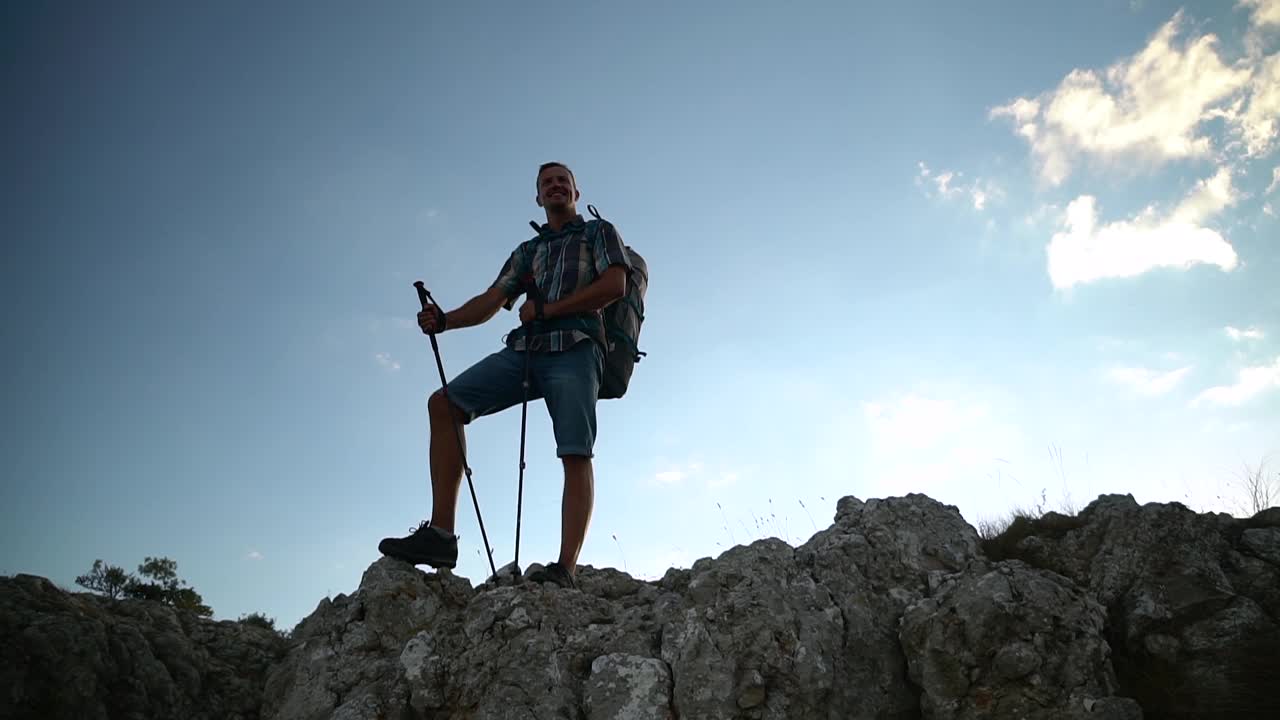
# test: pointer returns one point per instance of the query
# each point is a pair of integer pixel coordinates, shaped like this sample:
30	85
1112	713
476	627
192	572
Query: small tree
138	590
163	571
189	599
259	620
159	583
167	587
1261	490
109	580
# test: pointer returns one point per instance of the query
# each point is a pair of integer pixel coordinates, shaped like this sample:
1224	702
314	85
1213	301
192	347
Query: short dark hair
552	164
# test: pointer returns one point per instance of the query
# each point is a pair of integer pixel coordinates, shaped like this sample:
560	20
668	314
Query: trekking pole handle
531	289
424	296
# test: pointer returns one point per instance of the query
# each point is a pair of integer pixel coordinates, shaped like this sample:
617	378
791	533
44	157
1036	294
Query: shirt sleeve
609	250
508	279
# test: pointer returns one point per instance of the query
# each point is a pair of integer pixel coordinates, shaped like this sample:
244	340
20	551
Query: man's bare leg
446	460
579	497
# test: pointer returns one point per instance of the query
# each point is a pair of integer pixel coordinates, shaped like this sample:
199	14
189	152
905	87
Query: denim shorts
569	380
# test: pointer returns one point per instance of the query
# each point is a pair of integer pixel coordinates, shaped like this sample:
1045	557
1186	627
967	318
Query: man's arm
611	285
477	310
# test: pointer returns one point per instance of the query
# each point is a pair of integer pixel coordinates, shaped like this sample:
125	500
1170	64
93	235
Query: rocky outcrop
1009	641
874	617
897	610
81	656
1192	600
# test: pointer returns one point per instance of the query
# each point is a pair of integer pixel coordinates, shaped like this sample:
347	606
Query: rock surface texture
897	610
65	655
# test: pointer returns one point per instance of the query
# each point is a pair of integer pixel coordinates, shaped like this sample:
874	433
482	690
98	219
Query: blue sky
985	252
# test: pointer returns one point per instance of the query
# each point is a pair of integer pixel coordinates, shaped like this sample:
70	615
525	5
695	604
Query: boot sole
435	562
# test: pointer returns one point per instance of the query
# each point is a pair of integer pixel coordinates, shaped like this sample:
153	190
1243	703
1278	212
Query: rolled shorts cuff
574	450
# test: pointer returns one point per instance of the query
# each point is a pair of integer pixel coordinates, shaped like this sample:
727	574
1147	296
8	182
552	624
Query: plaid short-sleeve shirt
562	262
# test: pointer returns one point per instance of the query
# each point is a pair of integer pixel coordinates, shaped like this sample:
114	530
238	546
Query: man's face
556	190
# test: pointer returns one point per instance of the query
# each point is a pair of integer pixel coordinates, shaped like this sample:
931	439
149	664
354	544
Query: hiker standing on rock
575	274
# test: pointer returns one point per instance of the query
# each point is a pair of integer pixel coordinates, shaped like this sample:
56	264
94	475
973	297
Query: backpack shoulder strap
598	222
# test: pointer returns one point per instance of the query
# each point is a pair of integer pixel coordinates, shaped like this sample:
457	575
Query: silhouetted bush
159	582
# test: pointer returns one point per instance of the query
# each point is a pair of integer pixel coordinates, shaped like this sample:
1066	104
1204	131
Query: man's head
557	189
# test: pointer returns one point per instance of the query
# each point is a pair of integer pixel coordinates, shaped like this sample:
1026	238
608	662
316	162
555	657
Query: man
577	276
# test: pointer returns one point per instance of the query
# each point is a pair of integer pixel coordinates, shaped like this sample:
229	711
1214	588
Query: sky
1010	255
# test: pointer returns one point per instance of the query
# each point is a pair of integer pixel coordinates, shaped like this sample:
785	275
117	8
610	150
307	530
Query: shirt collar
577	223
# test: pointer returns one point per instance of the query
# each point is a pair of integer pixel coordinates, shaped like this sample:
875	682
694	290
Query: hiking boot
425	545
554	572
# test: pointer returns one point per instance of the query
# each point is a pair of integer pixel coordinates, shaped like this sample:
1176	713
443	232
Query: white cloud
1254	118
1147	381
979	199
1152	106
949	185
1275	181
1209	198
1250	382
722	480
941	180
1048	213
918	422
1086	252
935	438
697	471
983	193
1267	209
1237	334
386	361
1264	13
670	477
254	555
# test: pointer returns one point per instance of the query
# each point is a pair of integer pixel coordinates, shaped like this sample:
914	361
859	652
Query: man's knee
576	462
441	409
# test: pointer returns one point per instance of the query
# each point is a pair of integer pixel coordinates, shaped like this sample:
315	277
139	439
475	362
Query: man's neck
559	218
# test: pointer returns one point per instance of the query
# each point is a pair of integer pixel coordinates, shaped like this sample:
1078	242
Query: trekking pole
425	298
531	289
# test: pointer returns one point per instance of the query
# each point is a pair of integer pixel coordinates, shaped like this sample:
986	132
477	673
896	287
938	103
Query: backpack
622	321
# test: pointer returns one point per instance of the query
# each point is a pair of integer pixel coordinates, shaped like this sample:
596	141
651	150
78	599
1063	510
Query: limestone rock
628	687
753	631
879	557
1010	642
345	659
895	611
1192	600
82	657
